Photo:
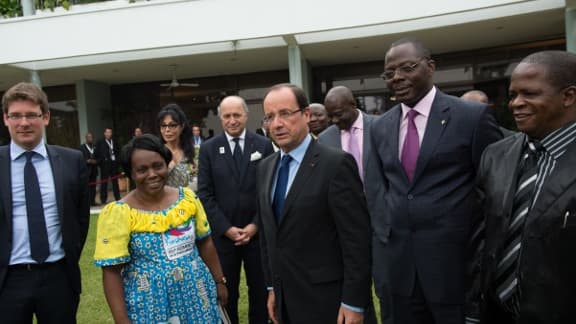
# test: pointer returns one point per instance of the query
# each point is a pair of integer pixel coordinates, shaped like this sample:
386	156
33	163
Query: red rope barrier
120	175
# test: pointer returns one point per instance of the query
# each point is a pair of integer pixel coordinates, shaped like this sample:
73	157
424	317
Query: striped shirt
554	145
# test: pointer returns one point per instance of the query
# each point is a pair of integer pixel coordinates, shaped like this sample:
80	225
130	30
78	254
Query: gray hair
244	105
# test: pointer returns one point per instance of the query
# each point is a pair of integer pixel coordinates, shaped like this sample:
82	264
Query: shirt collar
423	106
359	122
16	151
298	152
556	142
241	137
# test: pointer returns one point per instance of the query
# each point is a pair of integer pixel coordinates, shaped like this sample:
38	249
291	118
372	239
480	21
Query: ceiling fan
174	83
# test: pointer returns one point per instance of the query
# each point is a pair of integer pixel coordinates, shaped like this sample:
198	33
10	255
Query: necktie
506	275
39	247
411	146
237	154
281	185
354	150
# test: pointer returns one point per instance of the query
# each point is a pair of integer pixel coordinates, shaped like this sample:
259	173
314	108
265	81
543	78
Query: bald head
476	96
233	113
341	107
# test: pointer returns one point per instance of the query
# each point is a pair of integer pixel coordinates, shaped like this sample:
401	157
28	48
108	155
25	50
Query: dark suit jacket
374	185
229	197
71	184
92	168
424	225
548	263
103	151
319	256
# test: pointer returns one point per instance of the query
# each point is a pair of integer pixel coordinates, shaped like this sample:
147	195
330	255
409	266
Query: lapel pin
222	150
443	122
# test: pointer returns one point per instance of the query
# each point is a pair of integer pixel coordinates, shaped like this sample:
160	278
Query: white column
570	18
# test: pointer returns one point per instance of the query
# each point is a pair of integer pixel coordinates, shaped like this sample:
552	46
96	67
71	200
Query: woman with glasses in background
176	134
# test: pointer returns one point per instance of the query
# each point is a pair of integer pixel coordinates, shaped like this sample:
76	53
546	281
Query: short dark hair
421	49
146	142
560	67
299	94
178	115
27	92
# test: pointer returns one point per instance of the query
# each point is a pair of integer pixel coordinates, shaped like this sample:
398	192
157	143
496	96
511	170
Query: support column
35	78
28	8
94	114
570	17
298	67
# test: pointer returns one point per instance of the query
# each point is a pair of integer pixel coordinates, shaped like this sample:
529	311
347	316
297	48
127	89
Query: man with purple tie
427	150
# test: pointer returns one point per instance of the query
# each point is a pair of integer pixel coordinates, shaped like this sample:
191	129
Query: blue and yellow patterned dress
165	280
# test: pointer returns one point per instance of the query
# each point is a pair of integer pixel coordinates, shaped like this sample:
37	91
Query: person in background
529	185
319	120
480	96
107	154
350	132
227	188
89	151
428	149
177	136
44	215
315	228
159	264
137	131
197	134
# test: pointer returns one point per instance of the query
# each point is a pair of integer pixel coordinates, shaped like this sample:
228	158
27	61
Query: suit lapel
58	173
5	183
437	123
366	145
267	181
304	172
510	170
248	148
558	182
228	156
391	149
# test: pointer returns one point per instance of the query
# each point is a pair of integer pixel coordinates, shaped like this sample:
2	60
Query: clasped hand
241	236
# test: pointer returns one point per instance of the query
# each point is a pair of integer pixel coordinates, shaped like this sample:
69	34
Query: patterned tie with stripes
506	273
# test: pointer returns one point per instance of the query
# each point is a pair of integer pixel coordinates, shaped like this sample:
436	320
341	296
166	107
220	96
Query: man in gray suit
350	131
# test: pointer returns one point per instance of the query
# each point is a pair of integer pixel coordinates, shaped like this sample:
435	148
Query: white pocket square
255	156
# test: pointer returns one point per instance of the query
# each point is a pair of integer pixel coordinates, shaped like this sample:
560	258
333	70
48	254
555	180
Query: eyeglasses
169	126
282	115
29	117
404	69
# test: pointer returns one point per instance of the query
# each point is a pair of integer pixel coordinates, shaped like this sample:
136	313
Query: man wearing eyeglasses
427	148
227	189
44	215
315	232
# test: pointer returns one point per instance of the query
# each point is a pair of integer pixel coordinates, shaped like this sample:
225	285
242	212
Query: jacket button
410	197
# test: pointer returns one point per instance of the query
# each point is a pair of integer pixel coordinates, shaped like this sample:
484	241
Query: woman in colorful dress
177	136
158	261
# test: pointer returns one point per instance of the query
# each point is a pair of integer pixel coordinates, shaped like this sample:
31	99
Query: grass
93	307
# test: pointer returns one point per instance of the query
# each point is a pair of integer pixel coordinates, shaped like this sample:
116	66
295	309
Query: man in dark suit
197	135
315	225
427	149
107	154
44	215
350	131
89	151
227	189
319	119
529	185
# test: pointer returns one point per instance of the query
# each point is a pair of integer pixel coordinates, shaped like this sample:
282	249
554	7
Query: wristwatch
221	281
